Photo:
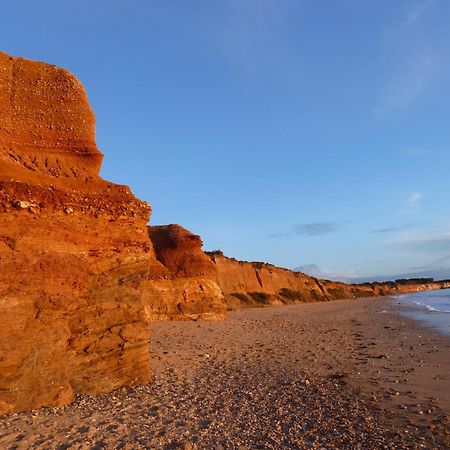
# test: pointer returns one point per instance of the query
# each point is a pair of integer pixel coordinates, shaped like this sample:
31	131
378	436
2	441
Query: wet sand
345	374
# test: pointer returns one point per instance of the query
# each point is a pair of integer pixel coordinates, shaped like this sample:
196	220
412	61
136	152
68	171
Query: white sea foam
438	301
432	307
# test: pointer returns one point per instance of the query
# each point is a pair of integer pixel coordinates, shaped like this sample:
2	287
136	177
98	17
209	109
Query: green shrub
290	294
260	297
241	297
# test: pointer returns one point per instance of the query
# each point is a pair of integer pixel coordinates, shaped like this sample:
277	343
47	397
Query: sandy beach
345	374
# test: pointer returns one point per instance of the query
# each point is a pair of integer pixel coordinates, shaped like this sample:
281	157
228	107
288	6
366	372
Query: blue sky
294	132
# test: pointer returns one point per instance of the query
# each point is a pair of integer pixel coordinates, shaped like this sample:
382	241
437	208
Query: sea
431	308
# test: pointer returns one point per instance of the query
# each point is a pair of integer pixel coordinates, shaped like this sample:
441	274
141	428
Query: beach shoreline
341	374
429	309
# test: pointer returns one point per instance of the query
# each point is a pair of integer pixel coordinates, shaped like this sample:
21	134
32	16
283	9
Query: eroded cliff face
247	284
188	290
46	124
81	274
400	288
74	250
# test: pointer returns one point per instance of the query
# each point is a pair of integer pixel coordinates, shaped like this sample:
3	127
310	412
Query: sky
303	133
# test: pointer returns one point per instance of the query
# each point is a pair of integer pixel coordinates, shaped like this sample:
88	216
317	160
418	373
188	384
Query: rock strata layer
73	249
46	123
189	289
81	274
247	284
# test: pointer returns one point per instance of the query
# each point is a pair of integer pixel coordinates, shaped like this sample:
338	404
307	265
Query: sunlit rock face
74	248
46	123
189	288
249	284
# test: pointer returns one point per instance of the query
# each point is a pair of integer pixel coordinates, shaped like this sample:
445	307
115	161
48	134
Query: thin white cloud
394	229
412	61
435	264
309	229
255	40
415	198
315	271
316	228
409	84
417	11
415	152
428	244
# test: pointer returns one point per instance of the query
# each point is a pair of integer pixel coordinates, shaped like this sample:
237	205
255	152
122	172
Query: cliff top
47	127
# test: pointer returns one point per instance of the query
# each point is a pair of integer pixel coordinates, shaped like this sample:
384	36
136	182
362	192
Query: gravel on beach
297	377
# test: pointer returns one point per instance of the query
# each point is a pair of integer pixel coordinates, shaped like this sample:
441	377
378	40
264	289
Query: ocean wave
436	306
432	308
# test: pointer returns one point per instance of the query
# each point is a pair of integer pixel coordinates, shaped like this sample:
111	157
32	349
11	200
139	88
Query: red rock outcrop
189	288
74	249
180	251
46	123
247	284
81	275
402	288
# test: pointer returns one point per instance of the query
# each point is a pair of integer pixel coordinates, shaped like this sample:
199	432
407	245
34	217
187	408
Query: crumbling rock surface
189	289
81	275
180	251
74	250
46	123
251	284
248	284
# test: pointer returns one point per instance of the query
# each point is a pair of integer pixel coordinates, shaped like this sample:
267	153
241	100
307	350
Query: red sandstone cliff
73	248
189	288
81	275
249	284
246	284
